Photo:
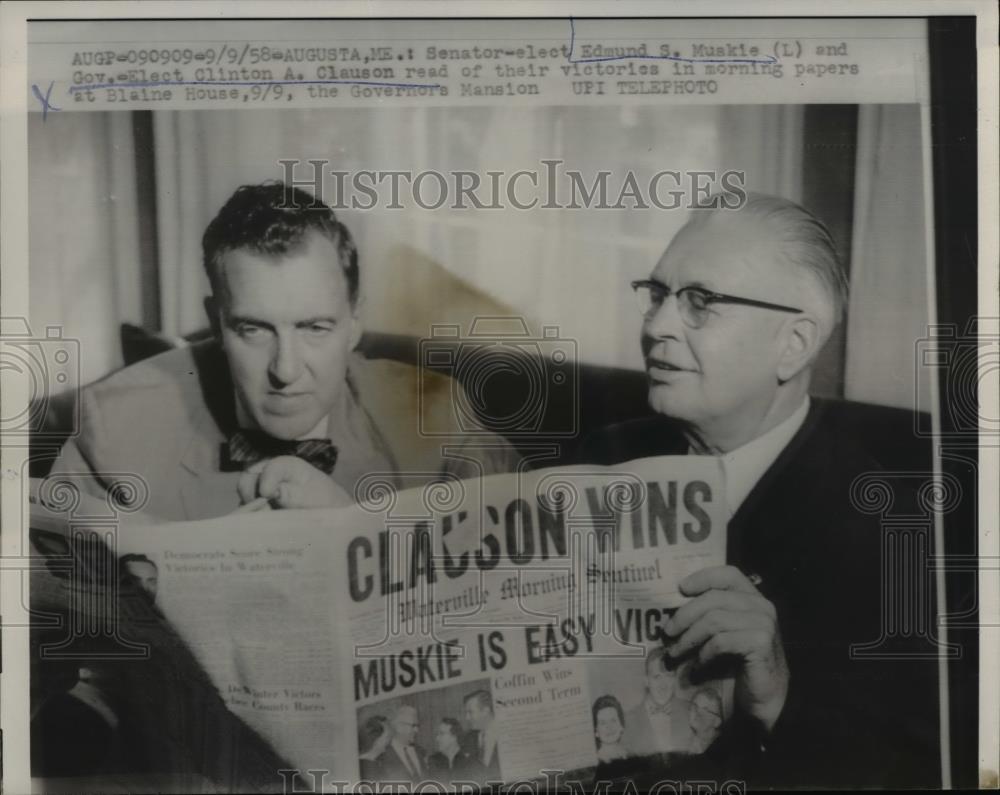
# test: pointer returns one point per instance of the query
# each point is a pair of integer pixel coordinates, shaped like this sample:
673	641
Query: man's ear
212	310
802	341
357	329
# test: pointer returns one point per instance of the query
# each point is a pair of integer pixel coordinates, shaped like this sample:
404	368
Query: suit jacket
463	767
486	772
371	770
639	738
392	767
165	419
846	722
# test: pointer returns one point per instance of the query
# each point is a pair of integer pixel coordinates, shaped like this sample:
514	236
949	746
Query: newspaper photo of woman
609	728
609	731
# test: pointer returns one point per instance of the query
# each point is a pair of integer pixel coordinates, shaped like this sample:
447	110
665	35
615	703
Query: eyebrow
235	320
699	284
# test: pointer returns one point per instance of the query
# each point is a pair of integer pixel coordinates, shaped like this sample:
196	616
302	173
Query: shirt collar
745	465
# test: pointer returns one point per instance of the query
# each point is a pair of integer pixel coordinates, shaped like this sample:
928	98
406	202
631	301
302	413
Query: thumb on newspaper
298	495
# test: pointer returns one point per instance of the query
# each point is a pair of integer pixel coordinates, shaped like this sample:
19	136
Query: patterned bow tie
245	448
659	709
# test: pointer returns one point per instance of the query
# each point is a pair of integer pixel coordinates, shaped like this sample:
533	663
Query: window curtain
560	268
83	239
889	308
557	268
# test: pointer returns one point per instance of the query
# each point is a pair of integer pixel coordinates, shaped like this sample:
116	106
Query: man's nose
665	320
286	364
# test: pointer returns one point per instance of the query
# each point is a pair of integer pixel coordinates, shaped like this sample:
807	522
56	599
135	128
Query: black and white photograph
268	276
660	710
445	736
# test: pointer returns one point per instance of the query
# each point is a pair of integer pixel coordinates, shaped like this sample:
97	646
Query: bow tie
660	709
246	447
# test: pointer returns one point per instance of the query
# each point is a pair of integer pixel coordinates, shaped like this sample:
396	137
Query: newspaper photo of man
140	572
481	741
402	760
705	719
660	723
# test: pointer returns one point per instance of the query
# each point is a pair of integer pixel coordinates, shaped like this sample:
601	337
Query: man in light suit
278	410
735	313
659	724
404	761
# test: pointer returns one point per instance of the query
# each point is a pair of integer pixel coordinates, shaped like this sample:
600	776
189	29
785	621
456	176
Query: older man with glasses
735	313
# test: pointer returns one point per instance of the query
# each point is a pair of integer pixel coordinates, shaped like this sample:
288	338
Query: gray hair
806	241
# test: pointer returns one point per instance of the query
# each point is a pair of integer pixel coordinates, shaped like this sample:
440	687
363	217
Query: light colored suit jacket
164	420
640	738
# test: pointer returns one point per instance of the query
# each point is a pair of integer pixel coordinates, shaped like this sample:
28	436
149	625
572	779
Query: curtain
889	306
562	268
767	143
83	242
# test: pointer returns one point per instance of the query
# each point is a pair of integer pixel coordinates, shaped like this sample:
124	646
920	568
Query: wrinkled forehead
723	252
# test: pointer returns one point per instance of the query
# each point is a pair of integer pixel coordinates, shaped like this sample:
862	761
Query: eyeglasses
693	303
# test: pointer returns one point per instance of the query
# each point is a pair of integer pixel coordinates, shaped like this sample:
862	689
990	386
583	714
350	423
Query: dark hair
482	698
608	701
369	732
272	218
124	560
453	726
659	654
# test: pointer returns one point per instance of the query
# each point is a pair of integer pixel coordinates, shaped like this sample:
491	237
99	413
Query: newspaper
525	607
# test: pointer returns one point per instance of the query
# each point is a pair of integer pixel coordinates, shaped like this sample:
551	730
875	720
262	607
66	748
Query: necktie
246	447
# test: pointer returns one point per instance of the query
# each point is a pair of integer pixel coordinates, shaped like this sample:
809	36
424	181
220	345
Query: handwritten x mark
46	105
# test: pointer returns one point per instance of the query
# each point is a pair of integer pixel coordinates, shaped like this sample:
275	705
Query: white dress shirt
488	743
745	465
660	722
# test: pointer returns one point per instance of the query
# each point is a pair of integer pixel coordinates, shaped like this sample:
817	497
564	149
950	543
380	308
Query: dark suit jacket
862	722
463	767
392	767
487	772
371	770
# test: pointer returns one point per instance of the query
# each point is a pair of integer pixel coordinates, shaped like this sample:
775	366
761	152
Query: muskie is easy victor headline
519	534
